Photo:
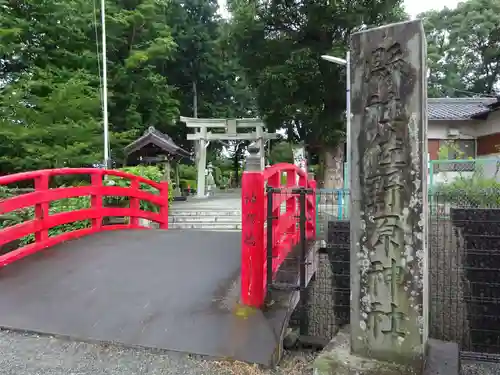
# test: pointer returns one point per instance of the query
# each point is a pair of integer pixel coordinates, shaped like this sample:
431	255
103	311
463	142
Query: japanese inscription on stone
387	195
385	160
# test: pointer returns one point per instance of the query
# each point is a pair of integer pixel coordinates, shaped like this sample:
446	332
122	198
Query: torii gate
203	136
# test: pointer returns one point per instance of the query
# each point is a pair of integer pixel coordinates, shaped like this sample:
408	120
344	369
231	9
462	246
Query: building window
456	149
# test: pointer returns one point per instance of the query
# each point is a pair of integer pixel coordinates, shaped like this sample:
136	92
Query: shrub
187	172
152	173
473	192
185	183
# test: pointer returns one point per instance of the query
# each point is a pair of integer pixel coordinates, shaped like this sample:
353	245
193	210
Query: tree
205	68
281	152
464	49
50	70
280	44
141	48
158	52
49	101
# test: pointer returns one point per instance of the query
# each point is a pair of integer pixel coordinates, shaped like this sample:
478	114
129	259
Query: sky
413	7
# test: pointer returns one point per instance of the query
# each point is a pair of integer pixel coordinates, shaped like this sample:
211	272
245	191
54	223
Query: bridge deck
170	290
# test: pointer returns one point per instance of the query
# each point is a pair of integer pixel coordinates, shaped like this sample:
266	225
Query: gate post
313	205
253	252
164	206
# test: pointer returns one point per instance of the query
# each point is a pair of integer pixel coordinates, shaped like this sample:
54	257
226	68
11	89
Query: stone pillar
389	193
253	162
388	218
261	141
168	169
202	163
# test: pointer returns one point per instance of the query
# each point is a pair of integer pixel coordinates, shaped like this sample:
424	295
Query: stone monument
388	179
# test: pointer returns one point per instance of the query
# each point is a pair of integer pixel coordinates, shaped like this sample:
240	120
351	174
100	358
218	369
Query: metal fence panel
448	171
464	266
331	205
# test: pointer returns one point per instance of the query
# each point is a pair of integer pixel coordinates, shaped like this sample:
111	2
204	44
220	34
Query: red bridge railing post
42	208
253	254
312	211
135	203
285	233
164	206
96	198
291	204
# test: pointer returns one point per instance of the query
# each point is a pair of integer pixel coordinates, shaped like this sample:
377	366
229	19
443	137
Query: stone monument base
443	358
336	359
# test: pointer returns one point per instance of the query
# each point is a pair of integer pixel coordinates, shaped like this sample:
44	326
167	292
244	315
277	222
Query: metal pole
348	111
105	87
304	323
348	131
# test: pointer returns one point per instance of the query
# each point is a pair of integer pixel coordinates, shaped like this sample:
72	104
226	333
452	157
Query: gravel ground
27	354
480	368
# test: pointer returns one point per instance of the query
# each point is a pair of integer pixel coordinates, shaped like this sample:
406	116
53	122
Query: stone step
204	219
206	226
209	212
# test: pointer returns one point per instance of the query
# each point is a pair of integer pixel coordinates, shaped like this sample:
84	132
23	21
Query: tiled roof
163	141
457	108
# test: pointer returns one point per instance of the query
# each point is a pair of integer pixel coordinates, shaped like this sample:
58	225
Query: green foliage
185	183
158	51
464	48
187	172
469	192
152	173
280	46
56	207
281	152
450	151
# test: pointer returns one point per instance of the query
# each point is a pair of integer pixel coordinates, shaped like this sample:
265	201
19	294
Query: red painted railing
42	195
285	229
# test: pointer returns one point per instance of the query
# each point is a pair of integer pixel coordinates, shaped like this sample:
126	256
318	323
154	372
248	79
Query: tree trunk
333	172
236	169
195	99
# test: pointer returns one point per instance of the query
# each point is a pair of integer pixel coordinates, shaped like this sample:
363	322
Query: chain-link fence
324	304
331	205
449	171
464	264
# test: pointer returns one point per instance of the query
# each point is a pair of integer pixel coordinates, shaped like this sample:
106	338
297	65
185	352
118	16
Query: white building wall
490	167
490	126
441	129
467	129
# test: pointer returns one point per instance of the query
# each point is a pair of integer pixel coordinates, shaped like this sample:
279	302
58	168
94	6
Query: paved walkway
170	290
222	200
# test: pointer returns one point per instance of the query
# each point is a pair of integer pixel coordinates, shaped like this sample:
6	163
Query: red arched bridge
199	292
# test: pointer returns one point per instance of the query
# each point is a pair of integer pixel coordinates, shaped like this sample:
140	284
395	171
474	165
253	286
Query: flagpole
105	86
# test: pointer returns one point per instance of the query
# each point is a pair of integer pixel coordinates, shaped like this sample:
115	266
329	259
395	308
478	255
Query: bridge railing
285	211
43	220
